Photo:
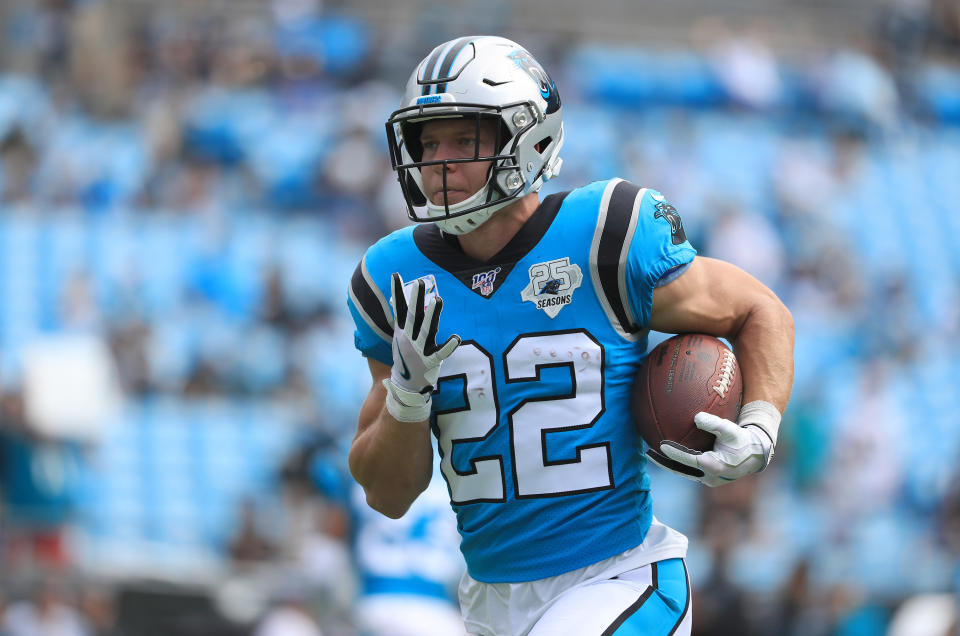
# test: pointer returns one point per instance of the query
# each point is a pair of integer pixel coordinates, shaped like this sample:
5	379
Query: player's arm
391	455
721	299
392	460
718	298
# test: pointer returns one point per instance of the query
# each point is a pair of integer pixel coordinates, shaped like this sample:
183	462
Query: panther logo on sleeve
668	212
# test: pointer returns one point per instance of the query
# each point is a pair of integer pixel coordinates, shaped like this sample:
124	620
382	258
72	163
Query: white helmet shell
479	77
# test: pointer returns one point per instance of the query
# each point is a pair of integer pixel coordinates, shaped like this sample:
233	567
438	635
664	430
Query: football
683	375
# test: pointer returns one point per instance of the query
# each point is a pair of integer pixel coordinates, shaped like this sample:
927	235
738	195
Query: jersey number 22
530	423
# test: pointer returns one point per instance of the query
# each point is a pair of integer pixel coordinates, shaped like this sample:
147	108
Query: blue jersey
532	411
412	556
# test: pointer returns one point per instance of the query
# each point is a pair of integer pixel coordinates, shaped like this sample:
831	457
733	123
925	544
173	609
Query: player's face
456	139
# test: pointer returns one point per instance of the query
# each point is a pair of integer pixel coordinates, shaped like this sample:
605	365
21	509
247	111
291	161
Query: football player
512	328
409	567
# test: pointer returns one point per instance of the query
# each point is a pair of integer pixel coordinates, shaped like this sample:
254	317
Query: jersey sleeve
371	313
658	253
638	244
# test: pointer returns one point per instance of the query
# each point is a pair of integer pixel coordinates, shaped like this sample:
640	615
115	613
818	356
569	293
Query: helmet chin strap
468	222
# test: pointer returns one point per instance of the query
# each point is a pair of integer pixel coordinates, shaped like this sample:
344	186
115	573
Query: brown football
683	375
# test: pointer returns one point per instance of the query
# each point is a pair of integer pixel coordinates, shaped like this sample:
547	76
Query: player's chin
453	197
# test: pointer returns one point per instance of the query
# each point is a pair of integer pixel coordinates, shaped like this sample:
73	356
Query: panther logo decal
548	88
668	212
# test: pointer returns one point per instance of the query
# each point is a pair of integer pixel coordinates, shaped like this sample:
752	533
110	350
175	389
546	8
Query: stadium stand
202	215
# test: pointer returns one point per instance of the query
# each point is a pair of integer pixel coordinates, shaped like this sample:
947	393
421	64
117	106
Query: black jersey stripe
608	253
370	303
613	237
448	61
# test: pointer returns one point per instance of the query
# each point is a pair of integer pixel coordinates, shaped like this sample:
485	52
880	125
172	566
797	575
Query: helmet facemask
476	79
504	182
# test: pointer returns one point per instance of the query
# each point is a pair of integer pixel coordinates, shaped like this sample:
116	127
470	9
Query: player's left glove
742	448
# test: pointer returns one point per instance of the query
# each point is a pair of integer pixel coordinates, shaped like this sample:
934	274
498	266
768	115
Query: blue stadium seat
590	150
339	44
173	472
285	155
736	152
634	77
160	263
219	120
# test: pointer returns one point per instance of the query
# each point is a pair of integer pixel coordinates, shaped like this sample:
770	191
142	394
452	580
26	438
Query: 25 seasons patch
552	285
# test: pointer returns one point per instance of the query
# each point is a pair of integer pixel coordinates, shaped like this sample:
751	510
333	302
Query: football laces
725	377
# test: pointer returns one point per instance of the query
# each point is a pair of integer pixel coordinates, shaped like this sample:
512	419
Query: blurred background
187	185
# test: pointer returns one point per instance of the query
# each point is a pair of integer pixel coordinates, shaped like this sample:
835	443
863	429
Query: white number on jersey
475	422
531	422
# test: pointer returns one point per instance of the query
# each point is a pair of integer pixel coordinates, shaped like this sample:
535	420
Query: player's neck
488	239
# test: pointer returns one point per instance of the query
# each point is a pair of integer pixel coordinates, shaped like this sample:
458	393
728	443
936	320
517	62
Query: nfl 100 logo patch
484	281
552	284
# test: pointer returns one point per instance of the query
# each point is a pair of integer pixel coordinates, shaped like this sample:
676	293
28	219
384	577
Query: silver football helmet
479	77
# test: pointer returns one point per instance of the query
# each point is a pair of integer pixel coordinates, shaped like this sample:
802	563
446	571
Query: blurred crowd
190	189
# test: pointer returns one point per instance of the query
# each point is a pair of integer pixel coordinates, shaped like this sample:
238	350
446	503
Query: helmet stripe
448	61
428	70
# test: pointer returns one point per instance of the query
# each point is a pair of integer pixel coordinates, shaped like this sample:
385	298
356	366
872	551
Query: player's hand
416	355
742	448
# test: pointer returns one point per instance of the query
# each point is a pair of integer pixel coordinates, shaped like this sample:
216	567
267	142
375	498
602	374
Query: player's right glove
416	355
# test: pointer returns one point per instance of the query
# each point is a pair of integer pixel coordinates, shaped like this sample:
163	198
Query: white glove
416	356
741	448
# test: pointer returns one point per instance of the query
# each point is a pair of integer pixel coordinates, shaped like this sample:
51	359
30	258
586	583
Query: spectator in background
946	26
745	64
801	610
804	166
98	605
48	612
18	160
903	31
727	526
290	615
315	531
866	472
859	91
128	343
722	605
38	478
325	565
749	241
249	545
409	567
